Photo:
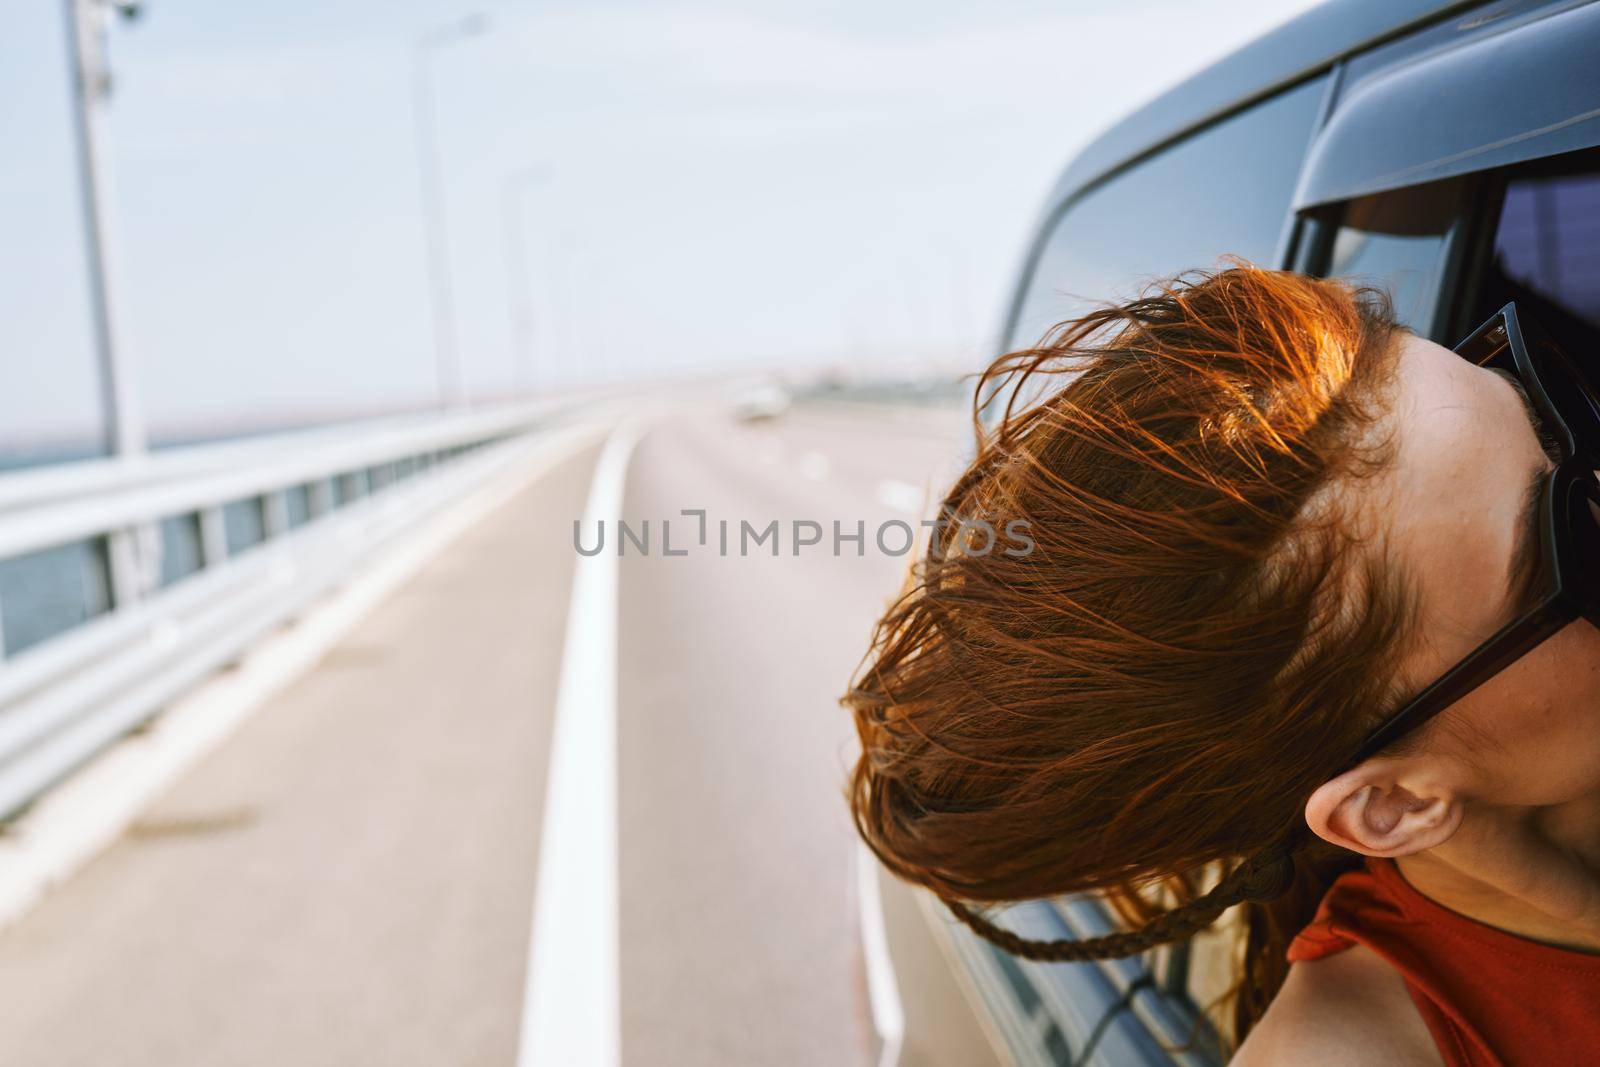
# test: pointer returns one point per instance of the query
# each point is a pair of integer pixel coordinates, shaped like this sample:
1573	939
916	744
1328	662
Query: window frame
1051	219
1467	246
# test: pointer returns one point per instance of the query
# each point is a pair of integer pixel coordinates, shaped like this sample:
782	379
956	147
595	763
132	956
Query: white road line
883	989
571	1000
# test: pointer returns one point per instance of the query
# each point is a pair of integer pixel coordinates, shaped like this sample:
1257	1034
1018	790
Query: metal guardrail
1115	1013
316	502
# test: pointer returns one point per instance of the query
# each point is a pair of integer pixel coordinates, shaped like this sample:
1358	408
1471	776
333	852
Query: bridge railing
125	581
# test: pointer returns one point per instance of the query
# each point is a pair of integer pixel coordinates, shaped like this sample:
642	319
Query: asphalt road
349	879
738	903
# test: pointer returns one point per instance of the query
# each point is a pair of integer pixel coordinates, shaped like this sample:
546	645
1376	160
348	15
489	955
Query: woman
1264	519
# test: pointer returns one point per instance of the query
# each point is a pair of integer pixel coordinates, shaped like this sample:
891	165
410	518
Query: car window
1546	253
1224	190
1397	242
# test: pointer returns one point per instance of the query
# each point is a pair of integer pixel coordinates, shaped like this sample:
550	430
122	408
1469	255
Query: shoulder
1350	1008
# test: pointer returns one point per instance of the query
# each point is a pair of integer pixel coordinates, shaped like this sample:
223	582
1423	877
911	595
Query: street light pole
133	552
91	87
519	282
435	222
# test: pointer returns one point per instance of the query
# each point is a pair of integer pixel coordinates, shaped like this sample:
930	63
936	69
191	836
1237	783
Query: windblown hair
1200	636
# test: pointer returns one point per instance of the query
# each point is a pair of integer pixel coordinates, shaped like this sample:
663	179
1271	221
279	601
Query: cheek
1538	722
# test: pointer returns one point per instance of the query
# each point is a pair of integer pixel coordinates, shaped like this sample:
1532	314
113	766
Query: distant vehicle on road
762	400
1449	152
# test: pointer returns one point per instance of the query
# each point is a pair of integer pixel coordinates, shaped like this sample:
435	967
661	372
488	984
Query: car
759	401
1447	152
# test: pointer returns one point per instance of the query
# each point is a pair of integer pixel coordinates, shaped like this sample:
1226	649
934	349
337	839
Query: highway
350	877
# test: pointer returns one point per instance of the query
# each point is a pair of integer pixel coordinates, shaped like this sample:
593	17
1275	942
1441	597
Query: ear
1384	808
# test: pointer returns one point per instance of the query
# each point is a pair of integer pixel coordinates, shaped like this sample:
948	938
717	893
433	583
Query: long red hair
1197	639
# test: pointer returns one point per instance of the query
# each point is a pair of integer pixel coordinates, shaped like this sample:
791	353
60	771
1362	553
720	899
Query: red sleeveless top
1489	998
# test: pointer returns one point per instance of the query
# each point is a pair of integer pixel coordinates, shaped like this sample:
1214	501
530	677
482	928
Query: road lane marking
571	999
901	496
883	988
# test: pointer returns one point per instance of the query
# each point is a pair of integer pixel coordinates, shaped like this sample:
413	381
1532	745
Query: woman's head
1262	515
1200	627
1211	614
1456	508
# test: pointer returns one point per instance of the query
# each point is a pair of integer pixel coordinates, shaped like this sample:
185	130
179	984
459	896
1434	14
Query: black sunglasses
1566	582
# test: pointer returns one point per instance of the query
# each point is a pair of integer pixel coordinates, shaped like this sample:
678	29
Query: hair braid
1262	877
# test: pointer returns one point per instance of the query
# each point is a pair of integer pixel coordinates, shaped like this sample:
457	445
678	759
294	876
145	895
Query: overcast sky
724	184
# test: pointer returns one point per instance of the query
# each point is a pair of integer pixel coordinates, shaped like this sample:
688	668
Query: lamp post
91	89
133	553
519	282
435	223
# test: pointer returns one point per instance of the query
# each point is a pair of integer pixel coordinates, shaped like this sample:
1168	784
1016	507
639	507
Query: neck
1534	872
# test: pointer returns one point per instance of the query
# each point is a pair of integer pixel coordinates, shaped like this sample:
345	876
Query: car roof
1299	48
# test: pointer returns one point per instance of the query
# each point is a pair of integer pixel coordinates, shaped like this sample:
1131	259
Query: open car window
1398	241
1545	252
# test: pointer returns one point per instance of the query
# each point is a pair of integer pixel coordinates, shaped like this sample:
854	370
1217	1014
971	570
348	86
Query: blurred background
335	333
624	191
